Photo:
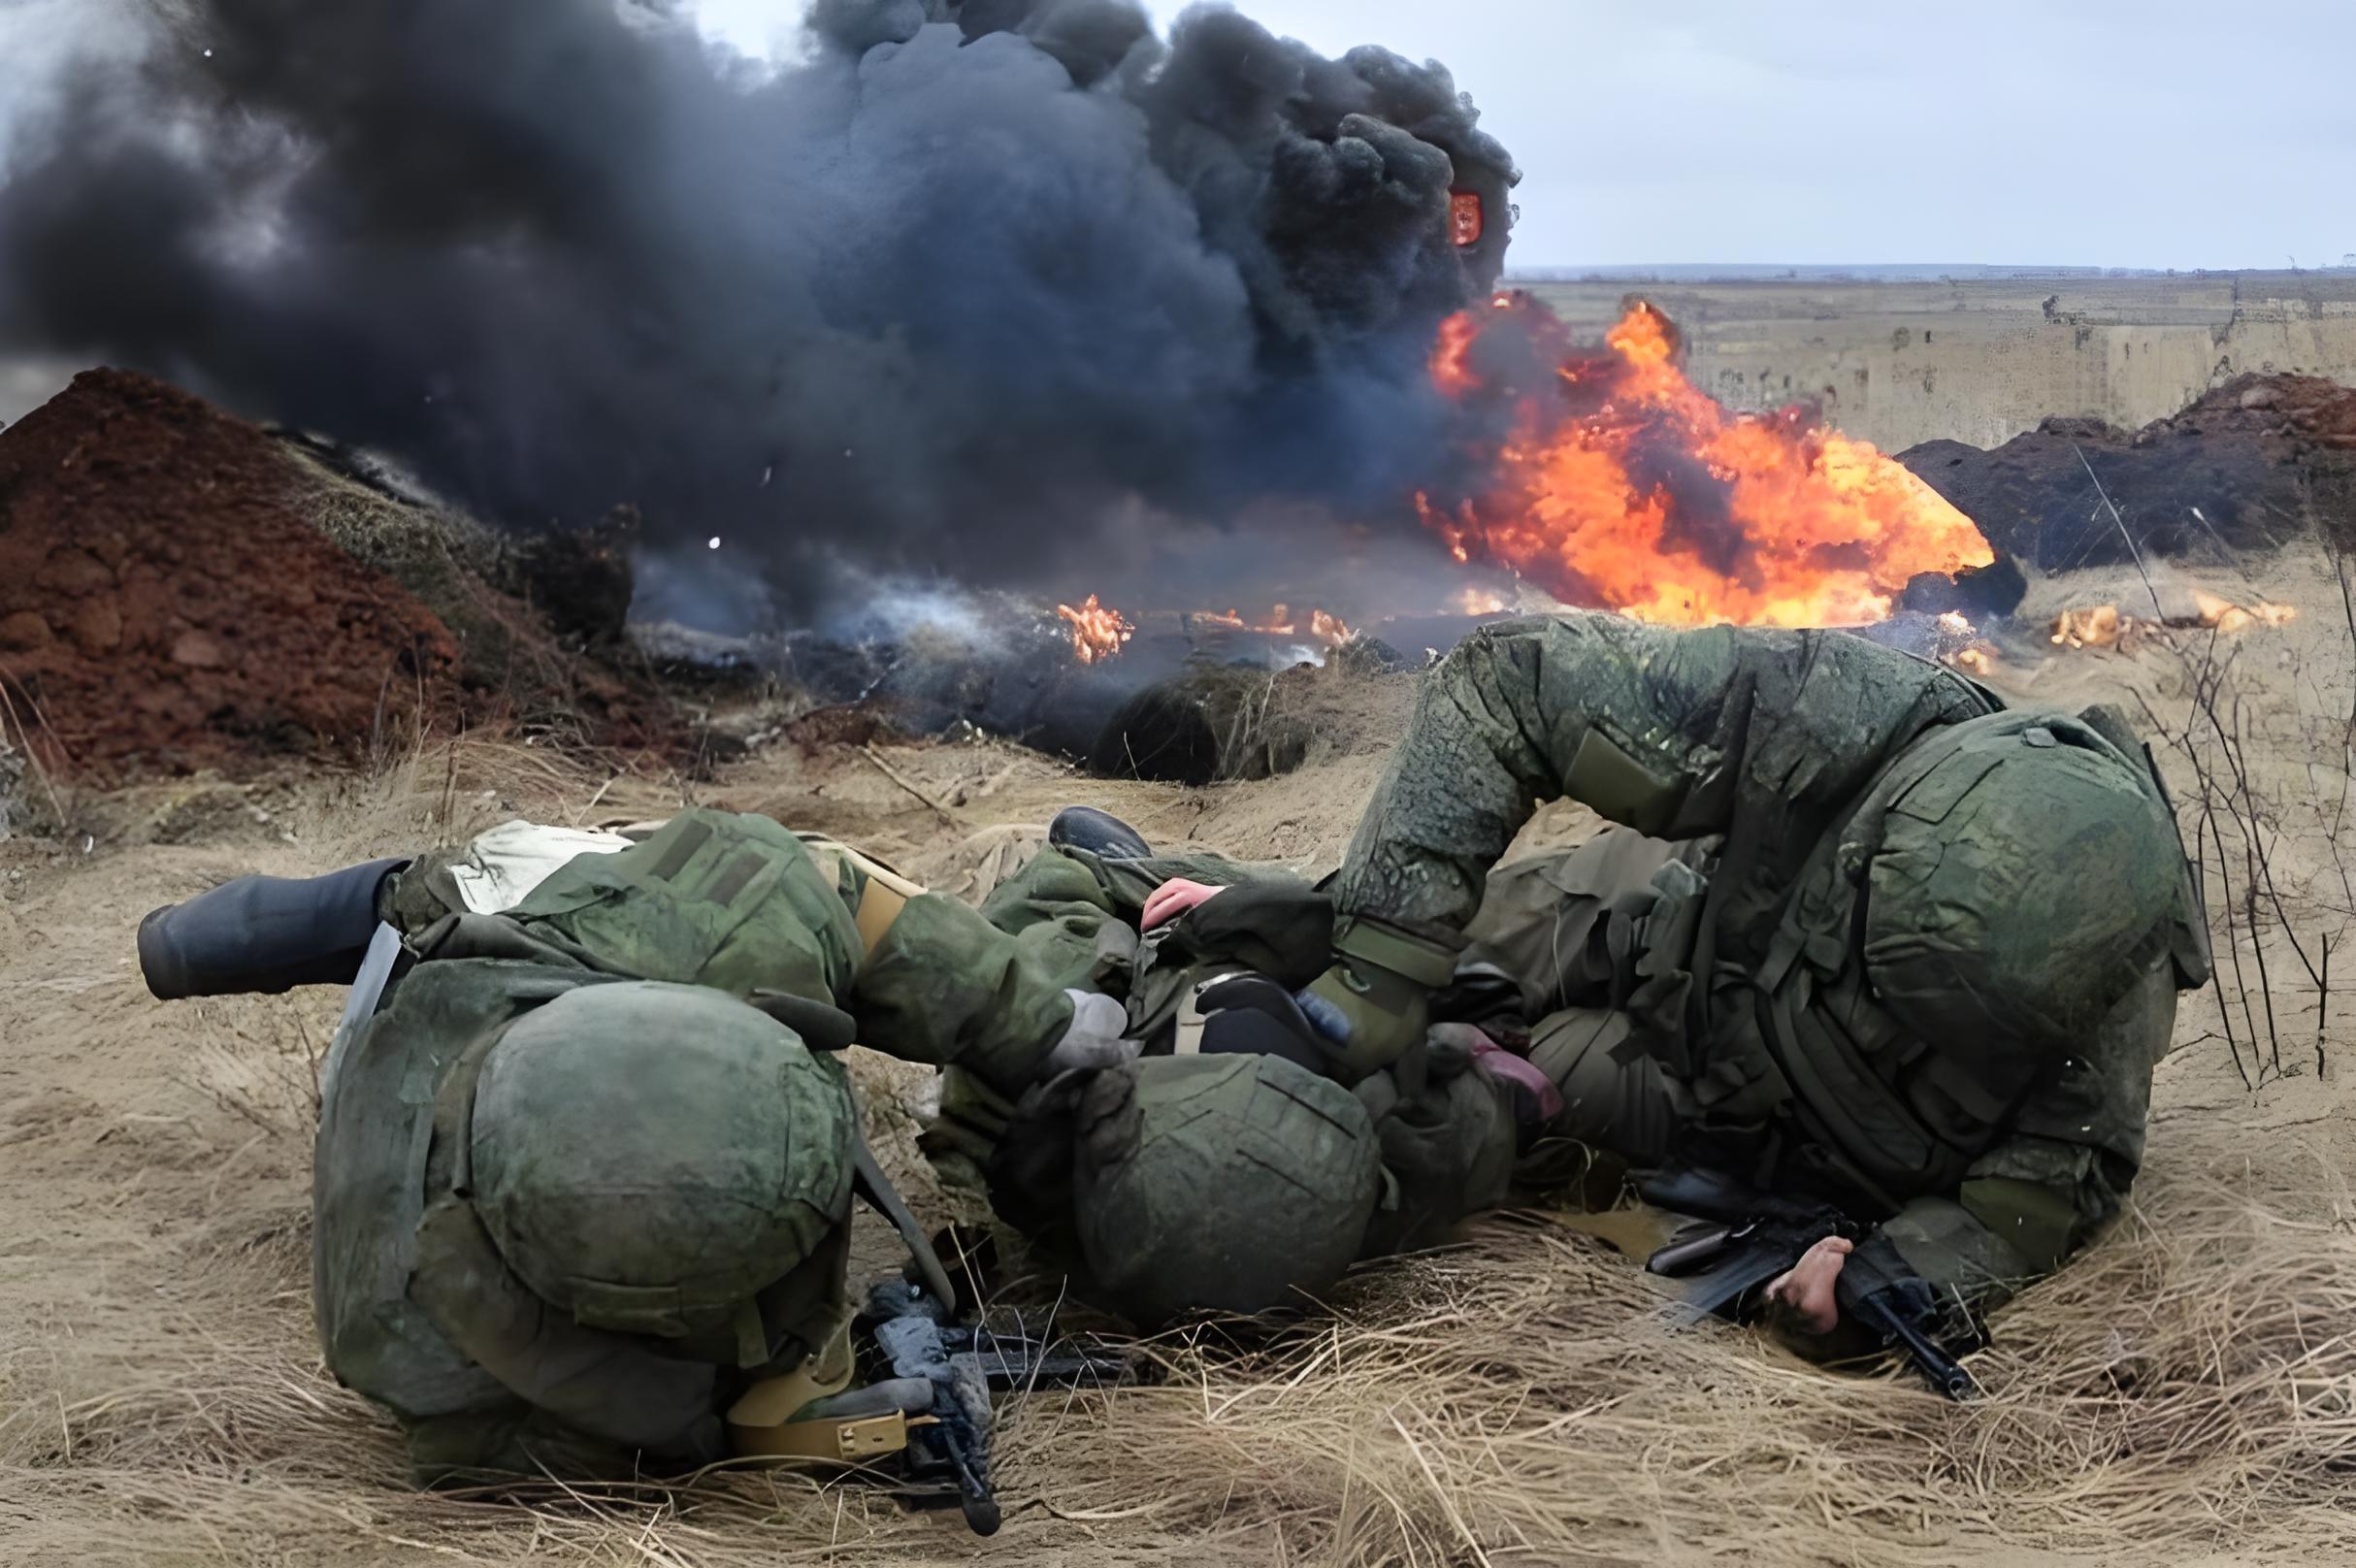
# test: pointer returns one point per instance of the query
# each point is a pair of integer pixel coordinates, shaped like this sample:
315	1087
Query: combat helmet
2021	874
1249	1187
653	1157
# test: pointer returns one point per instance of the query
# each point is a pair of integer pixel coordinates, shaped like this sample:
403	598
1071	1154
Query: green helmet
2026	875
1250	1187
650	1157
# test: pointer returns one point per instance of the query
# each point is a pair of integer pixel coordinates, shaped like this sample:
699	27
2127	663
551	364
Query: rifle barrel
1946	1374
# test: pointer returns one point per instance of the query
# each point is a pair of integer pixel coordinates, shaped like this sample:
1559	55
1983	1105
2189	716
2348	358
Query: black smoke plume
974	280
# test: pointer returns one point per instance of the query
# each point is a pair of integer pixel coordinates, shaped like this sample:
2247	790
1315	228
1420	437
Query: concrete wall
1982	360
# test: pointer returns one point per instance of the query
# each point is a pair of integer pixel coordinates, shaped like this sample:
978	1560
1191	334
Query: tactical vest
418	1311
1857	1102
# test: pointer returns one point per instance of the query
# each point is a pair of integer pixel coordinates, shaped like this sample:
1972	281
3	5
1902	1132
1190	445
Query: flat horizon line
1771	271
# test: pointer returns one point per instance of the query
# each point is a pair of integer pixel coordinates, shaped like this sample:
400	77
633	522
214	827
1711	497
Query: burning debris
1097	630
1609	480
1280	621
2106	626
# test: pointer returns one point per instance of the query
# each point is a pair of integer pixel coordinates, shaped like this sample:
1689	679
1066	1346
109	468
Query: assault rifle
948	1438
928	1375
1750	1237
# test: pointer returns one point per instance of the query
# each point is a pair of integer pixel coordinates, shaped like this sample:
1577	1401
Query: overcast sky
2129	133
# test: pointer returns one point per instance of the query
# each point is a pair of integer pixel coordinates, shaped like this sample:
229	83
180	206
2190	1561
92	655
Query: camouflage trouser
1084	909
1593	939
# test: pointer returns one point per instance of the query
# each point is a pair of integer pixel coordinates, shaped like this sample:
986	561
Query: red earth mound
168	603
163	606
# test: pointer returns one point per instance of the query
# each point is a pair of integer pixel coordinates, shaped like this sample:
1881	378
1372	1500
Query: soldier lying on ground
1014	1001
1862	936
583	1169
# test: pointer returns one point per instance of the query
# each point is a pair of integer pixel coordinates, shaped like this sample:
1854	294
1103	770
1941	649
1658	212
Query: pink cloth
1499	1063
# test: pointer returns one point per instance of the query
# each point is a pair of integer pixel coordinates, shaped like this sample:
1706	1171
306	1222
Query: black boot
263	934
1100	833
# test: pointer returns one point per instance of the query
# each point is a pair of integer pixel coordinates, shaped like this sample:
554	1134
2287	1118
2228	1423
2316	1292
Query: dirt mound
2245	467
163	605
180	590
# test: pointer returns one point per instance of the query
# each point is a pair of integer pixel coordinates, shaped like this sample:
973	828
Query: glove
1251	1013
1092	1039
1382	983
1449	1137
1076	1124
1282	930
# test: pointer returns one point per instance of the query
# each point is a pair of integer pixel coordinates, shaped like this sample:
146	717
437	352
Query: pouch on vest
672	908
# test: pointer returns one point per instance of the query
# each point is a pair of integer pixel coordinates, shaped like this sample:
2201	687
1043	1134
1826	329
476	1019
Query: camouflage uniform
1880	940
562	1216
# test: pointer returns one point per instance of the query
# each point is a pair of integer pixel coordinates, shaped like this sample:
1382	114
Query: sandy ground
2186	1394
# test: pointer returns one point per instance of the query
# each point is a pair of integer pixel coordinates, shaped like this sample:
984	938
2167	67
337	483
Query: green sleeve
1672	732
945	986
1059	908
2062	1172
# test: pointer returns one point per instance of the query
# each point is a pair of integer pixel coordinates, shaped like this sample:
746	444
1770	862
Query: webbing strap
827	1439
1418	958
761	1424
868	1181
449	1167
883	893
1186	1040
385	951
1734	866
879	905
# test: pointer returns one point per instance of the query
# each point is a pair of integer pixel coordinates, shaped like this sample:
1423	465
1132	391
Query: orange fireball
1617	483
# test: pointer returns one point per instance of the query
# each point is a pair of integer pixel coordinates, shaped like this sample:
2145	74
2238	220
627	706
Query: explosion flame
1613	481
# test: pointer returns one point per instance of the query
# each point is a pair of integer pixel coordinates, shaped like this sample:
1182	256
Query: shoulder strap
868	1181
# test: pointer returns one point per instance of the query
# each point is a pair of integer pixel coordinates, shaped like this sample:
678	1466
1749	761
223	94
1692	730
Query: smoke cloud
962	291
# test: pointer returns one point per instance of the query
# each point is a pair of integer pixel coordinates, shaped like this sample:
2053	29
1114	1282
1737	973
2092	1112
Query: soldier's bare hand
1806	1295
1172	900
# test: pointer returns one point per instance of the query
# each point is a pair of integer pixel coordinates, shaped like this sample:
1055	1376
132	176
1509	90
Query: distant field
1982	357
1900	355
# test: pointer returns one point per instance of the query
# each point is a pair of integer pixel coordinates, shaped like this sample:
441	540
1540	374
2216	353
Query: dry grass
2191	1383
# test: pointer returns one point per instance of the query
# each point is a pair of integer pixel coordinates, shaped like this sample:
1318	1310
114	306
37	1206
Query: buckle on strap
761	1424
828	1439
